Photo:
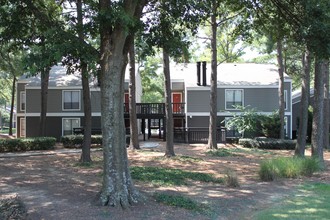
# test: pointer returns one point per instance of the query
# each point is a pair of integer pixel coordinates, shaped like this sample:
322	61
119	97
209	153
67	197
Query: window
234	97
68	124
22	100
71	100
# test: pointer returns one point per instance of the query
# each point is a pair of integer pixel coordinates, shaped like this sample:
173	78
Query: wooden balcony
155	110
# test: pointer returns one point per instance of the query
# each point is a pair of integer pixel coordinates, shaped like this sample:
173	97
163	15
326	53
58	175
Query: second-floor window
22	100
71	100
234	97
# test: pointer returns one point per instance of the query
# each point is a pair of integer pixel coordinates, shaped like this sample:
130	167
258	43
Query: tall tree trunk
281	85
117	186
303	116
326	104
212	142
168	106
86	146
318	117
44	99
13	91
85	150
132	98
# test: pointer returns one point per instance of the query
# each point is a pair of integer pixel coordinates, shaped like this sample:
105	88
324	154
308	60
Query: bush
27	144
12	208
268	143
76	141
285	167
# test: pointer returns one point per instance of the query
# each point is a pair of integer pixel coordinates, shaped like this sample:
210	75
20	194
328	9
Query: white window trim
78	109
286	127
231	108
20	100
68	119
22	121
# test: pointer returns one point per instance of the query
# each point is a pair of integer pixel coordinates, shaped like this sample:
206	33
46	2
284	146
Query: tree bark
85	156
132	95
13	91
212	142
281	86
326	103
303	116
318	117
168	106
44	99
117	186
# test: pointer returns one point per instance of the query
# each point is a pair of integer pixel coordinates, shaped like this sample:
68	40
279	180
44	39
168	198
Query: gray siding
263	99
96	101
54	101
177	86
198	121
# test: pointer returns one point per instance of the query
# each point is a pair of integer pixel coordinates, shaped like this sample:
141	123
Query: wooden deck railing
155	108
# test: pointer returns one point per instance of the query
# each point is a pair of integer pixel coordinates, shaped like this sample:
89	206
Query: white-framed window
22	130
286	127
71	100
22	101
233	98
68	124
285	99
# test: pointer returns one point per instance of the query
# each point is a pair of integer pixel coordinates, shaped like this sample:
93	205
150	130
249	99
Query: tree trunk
132	95
326	104
44	99
318	117
13	91
281	86
303	116
212	142
117	186
168	106
85	156
86	146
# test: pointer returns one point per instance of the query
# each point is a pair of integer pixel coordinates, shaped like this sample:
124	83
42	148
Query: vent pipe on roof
198	73
204	73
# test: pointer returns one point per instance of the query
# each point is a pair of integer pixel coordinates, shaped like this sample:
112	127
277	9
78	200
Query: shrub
12	208
285	167
268	143
76	141
271	125
26	144
231	179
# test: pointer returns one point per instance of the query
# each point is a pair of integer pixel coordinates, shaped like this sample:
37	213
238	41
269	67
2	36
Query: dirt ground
54	186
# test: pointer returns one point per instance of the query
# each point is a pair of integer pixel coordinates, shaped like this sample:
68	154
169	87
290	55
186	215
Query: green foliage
245	122
271	125
76	141
27	144
222	152
170	177
183	159
181	202
310	201
268	143
285	167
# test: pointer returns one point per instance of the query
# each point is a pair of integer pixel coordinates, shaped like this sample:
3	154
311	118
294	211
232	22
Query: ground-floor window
68	124
22	130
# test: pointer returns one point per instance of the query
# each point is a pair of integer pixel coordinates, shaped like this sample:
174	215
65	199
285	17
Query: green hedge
27	144
268	143
75	141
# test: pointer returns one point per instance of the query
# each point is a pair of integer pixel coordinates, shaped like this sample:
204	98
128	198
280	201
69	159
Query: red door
176	102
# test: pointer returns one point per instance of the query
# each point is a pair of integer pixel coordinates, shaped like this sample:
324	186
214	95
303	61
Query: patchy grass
312	201
227	152
6	131
222	152
182	158
170	177
231	179
181	202
287	167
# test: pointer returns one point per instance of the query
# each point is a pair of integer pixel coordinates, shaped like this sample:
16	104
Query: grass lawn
6	131
312	201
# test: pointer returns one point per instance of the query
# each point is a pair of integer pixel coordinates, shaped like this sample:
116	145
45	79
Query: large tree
117	187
